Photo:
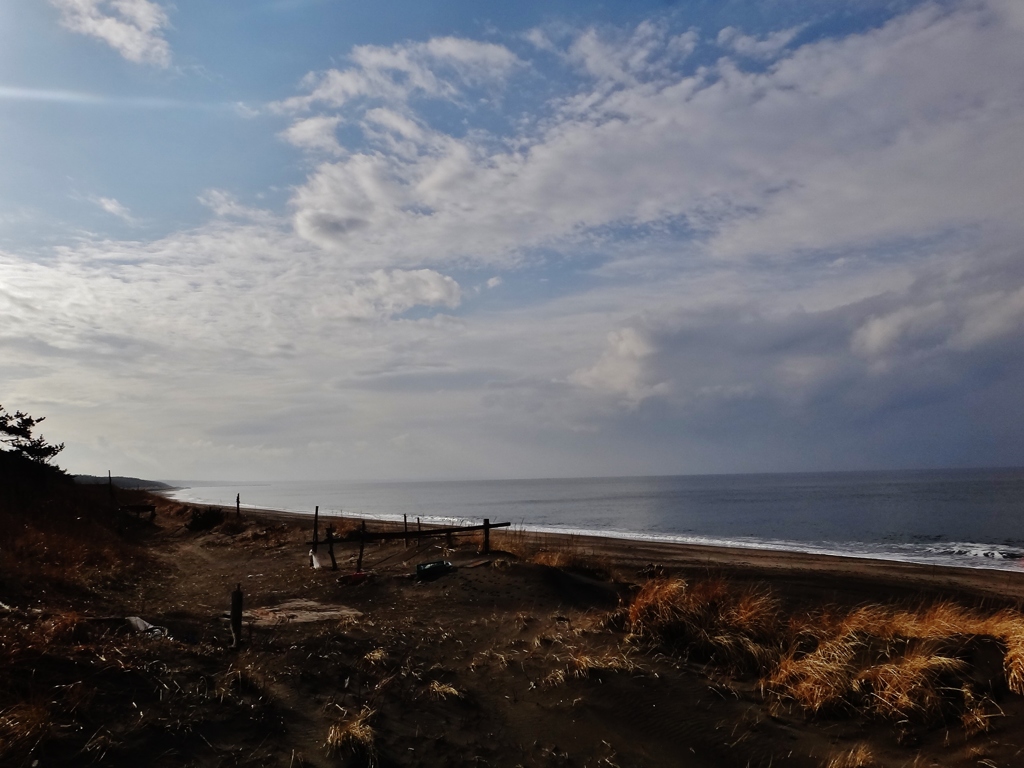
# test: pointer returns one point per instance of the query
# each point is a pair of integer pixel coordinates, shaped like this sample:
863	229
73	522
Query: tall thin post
487	536
330	547
405	528
419	529
316	527
236	616
362	544
238	505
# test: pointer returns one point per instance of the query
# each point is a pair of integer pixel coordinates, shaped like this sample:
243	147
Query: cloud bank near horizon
703	250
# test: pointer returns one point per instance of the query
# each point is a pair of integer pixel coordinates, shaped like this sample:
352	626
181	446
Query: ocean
967	518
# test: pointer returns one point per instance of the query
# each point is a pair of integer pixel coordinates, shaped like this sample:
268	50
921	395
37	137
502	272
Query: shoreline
998	555
891	517
822	572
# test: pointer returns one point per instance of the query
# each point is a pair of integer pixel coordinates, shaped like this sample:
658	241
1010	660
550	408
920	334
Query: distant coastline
127	483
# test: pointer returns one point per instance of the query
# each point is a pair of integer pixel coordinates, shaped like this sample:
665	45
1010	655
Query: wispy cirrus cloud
437	68
88	99
115	208
133	28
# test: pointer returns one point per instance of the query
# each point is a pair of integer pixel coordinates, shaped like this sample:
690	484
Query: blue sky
312	239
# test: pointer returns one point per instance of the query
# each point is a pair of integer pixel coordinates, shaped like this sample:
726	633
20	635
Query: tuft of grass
818	681
977	715
584	665
354	737
554	678
243	677
913	686
1008	627
858	757
22	728
441	691
736	629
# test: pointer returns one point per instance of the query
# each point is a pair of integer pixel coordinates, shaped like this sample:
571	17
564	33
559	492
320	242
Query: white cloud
386	294
438	68
991	316
114	208
539	39
315	134
225	205
766	47
651	51
133	28
622	368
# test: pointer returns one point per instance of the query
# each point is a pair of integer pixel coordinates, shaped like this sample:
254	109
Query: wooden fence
420	533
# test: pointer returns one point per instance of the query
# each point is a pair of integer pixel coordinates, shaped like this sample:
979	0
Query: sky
327	239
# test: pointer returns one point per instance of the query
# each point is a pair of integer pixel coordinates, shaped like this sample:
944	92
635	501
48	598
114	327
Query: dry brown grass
1008	627
354	737
819	681
554	678
561	552
516	541
911	687
580	663
244	676
585	665
735	629
22	727
441	691
858	757
901	665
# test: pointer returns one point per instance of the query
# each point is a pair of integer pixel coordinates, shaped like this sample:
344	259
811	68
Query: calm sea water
971	518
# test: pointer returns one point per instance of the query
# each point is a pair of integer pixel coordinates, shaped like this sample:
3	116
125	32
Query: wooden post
405	527
330	547
236	616
362	544
316	527
419	528
238	505
487	536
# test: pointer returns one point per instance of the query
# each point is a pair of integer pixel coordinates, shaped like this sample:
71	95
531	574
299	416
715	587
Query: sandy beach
549	650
